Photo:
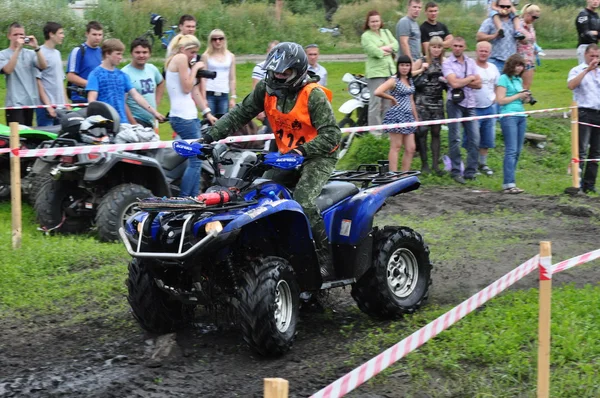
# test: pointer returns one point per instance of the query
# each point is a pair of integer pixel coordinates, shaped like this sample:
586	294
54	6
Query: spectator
431	28
430	102
461	73
379	44
584	81
83	59
20	67
495	11
485	103
187	25
108	84
312	52
588	26
50	81
183	115
331	7
408	31
146	79
220	91
511	96
258	73
401	90
526	47
503	44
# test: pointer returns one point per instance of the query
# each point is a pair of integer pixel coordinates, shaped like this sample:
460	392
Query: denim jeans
499	64
487	128
219	104
589	136
513	131
472	134
189	129
44	119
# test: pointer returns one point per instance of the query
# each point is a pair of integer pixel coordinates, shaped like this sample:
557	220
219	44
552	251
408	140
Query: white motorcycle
357	87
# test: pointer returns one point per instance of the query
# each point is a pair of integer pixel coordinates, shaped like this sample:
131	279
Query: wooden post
278	9
276	388
15	185
575	145
543	382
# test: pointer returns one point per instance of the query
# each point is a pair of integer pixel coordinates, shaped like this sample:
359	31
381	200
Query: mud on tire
115	207
268	306
398	282
51	202
154	309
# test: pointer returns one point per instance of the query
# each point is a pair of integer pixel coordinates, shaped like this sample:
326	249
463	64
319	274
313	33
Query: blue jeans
43	119
472	134
189	129
499	64
513	131
219	104
487	128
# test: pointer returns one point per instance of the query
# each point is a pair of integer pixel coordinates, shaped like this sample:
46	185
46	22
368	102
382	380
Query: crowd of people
496	82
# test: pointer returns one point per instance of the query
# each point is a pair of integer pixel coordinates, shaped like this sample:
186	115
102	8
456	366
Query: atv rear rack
372	174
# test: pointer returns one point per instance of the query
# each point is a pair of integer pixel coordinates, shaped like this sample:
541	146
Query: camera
532	101
206	74
26	40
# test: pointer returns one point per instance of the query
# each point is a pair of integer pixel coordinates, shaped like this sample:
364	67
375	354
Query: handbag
420	81
458	94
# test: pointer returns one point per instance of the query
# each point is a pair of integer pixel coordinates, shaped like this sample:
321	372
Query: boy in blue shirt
83	59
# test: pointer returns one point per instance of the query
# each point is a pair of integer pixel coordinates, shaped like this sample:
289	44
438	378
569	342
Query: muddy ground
40	359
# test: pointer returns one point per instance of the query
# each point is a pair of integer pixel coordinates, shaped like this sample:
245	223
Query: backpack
73	88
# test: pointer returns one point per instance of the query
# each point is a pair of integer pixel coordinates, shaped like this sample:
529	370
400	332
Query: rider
300	113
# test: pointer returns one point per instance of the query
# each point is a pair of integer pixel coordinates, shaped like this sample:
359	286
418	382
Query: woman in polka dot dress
401	90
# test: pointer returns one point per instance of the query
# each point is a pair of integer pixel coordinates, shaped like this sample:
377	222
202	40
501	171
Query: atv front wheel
115	207
269	305
398	282
55	207
153	308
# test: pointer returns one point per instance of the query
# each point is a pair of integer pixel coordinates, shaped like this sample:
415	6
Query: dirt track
39	359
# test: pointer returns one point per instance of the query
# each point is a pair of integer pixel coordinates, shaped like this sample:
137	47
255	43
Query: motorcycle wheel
346	122
154	309
398	281
53	199
116	207
268	306
4	182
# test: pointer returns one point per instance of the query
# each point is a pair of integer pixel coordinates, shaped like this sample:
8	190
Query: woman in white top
184	93
220	91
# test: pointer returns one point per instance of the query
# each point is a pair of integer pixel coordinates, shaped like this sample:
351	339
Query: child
494	10
403	110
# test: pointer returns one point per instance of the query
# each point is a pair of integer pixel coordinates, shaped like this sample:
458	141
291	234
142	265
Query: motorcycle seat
333	192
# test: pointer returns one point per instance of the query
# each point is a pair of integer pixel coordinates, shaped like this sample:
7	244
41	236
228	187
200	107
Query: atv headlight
354	88
213	226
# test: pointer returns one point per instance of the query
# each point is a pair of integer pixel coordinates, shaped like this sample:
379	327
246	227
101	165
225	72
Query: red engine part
217	198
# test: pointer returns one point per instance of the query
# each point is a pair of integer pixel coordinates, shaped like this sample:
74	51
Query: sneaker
458	178
471	178
519	36
589	190
500	34
485	169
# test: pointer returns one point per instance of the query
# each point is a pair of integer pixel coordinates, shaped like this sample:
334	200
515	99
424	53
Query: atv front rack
372	174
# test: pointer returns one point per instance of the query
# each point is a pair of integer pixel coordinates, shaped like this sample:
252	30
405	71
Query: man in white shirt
51	80
584	81
312	52
485	103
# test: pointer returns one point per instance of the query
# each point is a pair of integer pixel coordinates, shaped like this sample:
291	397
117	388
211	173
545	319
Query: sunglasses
217	38
535	16
506	7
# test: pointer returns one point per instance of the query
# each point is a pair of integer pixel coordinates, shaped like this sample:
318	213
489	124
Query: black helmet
285	56
70	123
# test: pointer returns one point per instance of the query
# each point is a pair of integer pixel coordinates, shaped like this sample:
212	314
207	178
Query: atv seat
50	129
333	192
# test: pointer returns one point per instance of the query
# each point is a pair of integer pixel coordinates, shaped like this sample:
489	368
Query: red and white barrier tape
586	124
575	160
358	376
575	261
10	108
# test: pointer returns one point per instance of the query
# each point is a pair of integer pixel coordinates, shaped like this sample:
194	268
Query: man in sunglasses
502	40
588	25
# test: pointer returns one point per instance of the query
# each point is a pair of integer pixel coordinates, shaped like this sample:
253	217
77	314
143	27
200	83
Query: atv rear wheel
398	282
53	207
115	207
36	182
4	181
153	308
269	305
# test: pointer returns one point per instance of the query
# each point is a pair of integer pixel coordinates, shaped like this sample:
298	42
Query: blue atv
246	245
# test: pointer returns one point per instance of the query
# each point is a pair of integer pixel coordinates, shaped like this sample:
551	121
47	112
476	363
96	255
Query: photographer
511	97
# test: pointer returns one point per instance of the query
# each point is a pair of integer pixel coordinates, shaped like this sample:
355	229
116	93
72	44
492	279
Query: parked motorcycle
357	87
245	248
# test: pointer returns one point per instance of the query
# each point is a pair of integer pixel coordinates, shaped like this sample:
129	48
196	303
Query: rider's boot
323	253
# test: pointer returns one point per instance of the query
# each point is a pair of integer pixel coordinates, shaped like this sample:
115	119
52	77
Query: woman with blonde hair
220	91
526	47
185	91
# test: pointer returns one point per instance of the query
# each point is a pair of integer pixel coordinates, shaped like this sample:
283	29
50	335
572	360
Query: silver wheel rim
284	306
402	273
127	212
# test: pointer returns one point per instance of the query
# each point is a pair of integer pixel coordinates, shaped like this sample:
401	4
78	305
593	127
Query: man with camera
588	26
146	79
21	66
461	73
584	81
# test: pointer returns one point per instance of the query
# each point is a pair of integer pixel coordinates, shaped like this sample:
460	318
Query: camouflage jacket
319	108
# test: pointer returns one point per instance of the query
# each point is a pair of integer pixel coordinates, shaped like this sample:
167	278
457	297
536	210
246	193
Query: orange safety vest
295	128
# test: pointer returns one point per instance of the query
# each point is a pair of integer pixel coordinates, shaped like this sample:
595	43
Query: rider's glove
299	149
205	139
